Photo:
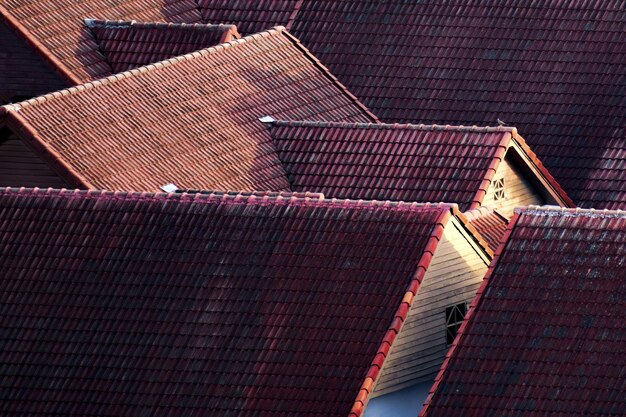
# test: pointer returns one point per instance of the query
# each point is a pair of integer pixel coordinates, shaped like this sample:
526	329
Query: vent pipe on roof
169	188
268	120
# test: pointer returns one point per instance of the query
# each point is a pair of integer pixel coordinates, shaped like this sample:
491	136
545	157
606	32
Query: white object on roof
169	188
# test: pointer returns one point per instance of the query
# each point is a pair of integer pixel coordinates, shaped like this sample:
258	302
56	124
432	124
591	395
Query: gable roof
396	162
129	44
545	334
251	16
191	120
56	31
226	305
554	69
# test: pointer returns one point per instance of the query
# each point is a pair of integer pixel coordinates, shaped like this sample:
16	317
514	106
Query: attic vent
498	188
169	188
454	319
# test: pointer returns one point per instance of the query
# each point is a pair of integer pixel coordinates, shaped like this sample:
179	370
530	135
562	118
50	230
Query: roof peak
275	31
569	212
228	197
122	24
397	126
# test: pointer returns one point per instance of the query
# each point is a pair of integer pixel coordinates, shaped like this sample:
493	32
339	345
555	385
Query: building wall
20	167
455	273
23	74
518	189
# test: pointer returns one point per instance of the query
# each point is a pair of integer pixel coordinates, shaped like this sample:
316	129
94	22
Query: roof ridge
235	197
275	31
121	24
401	313
392	126
549	210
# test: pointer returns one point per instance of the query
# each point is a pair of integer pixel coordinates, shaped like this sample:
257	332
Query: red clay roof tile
253	16
545	334
191	121
395	162
553	69
489	224
222	304
56	29
129	44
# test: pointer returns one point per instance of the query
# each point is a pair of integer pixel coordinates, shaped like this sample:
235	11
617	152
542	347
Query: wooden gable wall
455	273
21	167
23	73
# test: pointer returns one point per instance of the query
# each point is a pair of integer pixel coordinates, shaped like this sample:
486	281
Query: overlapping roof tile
129	44
490	224
394	162
56	30
251	16
191	121
545	335
555	70
131	304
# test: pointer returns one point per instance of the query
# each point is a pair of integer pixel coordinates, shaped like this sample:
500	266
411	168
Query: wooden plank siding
518	189
20	167
455	273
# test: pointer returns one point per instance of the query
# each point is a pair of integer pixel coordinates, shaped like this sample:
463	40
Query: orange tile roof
56	29
129	44
191	120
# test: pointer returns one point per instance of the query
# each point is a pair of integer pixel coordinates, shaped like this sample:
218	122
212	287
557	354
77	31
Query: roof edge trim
569	212
25	131
38	47
473	306
316	62
496	160
401	313
391	126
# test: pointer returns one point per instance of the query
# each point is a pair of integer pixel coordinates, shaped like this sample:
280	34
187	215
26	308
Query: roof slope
554	69
129	44
545	335
191	121
251	16
490	224
225	305
393	162
56	30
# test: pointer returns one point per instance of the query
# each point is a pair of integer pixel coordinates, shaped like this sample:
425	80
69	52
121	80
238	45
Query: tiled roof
56	30
394	162
251	16
490	224
554	69
545	335
128	44
191	121
121	304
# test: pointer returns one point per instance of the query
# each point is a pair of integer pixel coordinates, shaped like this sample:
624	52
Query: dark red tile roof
192	120
56	30
395	162
545	335
128	44
251	16
121	304
554	69
490	224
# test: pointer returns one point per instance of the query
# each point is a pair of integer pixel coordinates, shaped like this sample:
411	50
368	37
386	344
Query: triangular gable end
23	73
21	166
454	275
521	180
